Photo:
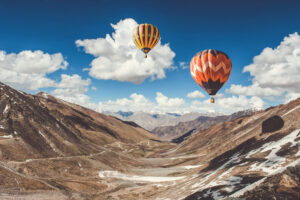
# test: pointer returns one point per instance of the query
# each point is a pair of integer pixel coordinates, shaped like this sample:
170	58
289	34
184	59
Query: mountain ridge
178	132
149	121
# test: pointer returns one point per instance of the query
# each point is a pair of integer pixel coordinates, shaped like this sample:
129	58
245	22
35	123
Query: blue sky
242	29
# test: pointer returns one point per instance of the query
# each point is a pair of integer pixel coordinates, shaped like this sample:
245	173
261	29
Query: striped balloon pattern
145	37
210	69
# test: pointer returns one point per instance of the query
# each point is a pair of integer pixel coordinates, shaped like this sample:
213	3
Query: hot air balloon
210	69
145	37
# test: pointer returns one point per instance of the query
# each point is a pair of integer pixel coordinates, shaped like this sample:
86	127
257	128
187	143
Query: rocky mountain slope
182	130
42	126
52	149
53	146
239	155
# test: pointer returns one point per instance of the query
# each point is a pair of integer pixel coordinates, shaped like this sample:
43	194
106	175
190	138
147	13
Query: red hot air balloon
210	69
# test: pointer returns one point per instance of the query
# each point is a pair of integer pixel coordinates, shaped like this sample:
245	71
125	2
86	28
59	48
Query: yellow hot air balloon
145	37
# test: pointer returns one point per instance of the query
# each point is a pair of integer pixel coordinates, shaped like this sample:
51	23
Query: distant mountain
184	129
124	114
174	114
150	121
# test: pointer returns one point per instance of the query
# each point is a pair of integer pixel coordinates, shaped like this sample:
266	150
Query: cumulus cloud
228	104
27	70
72	89
164	104
195	94
137	102
275	71
117	58
254	90
164	101
184	65
291	96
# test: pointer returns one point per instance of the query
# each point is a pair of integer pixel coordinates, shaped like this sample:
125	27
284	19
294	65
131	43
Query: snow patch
48	142
6	109
40	132
217	195
158	185
189	156
190	166
21	92
231	180
6	136
273	162
247	188
203	185
257	183
129	177
45	95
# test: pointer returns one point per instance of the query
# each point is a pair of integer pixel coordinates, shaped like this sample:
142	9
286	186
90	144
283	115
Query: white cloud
117	58
164	101
254	90
73	89
275	71
291	96
74	83
94	88
27	70
184	65
164	104
137	102
228	104
195	94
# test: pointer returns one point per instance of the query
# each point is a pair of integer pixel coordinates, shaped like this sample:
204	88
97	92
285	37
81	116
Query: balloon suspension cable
212	100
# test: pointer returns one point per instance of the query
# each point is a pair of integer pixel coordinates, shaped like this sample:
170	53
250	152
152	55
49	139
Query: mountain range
53	149
182	130
149	121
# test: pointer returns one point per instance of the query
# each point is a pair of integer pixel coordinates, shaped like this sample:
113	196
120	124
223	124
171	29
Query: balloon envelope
145	37
210	69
